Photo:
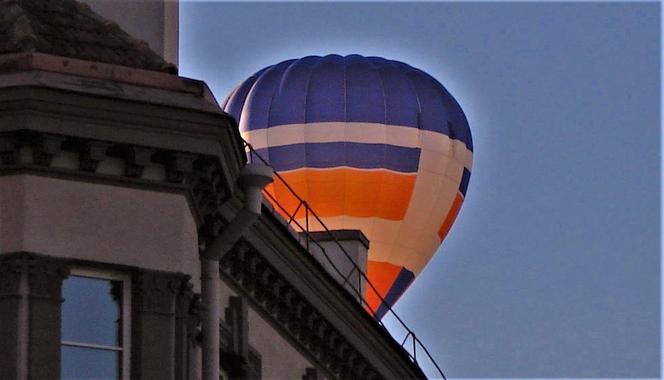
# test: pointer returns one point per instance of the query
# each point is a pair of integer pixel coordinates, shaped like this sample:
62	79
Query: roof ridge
18	28
72	29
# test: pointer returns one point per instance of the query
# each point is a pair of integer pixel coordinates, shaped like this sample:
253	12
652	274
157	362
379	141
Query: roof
71	29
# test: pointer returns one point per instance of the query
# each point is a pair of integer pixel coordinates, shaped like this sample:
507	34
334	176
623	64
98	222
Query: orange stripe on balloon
451	216
344	191
382	275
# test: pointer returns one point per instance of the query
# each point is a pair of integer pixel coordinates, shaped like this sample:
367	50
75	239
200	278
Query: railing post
414	348
306	221
359	285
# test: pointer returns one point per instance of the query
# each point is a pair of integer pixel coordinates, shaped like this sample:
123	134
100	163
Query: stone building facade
116	177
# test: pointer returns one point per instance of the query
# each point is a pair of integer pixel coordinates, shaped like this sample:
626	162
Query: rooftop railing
303	219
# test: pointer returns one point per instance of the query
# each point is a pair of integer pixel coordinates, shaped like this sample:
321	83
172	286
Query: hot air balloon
371	144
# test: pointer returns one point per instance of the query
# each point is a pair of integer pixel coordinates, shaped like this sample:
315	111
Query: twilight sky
552	268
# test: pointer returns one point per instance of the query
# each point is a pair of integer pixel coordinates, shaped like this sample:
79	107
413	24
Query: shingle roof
70	29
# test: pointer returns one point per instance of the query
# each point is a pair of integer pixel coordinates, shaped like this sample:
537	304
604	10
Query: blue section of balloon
402	282
335	154
348	89
465	178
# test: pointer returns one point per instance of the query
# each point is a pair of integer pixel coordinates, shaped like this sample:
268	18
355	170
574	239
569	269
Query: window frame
125	279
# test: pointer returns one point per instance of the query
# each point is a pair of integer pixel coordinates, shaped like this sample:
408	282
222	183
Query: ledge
341	235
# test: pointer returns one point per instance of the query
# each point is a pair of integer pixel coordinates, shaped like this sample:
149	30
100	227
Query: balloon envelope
371	144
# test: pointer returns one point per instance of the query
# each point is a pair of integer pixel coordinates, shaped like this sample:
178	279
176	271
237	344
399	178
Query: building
133	240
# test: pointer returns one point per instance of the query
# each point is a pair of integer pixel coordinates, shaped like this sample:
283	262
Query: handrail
305	230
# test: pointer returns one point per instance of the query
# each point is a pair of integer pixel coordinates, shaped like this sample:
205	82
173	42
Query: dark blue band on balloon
335	154
465	178
348	89
404	279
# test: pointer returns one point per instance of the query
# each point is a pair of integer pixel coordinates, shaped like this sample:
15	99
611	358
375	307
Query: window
95	325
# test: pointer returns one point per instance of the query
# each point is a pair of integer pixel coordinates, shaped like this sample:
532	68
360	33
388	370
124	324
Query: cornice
45	275
305	274
198	177
110	111
276	297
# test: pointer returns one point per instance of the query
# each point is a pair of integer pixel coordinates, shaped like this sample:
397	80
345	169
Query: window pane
91	312
88	363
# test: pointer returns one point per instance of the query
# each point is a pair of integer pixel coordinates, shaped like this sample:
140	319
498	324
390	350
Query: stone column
183	323
159	336
12	269
30	313
45	309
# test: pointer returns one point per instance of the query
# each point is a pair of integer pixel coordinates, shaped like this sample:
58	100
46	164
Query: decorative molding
91	153
157	291
237	315
194	320
209	193
255	366
185	298
135	158
233	364
199	175
183	322
45	278
235	355
161	320
11	269
45	275
310	374
252	364
178	165
275	296
45	148
32	319
9	149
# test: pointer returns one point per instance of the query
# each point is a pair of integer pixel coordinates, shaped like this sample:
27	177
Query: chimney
156	22
328	248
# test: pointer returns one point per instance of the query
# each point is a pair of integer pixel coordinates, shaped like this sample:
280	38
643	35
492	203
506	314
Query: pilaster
159	331
12	269
30	307
45	278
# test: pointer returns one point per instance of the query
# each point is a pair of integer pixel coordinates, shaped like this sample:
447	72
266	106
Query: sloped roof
70	29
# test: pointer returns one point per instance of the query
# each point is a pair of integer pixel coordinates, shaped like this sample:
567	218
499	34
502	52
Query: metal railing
313	223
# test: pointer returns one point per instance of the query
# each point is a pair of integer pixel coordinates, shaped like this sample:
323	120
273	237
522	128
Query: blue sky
553	266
